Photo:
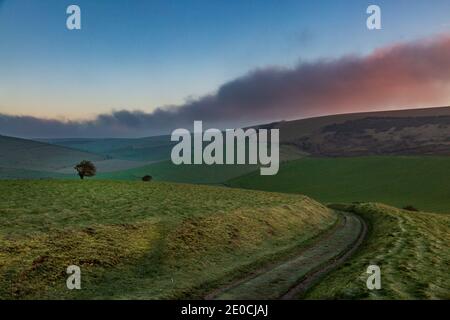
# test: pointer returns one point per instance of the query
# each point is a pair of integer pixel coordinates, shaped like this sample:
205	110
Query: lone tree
86	169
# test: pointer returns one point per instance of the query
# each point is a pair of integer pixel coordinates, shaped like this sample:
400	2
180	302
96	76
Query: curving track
291	278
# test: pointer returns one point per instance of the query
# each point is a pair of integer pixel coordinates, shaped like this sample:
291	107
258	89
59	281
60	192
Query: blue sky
139	55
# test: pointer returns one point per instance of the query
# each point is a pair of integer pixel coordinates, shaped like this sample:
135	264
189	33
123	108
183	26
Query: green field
167	171
143	240
423	182
412	250
160	171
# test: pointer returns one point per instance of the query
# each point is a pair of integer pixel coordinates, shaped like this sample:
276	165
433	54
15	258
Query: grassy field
143	240
202	174
160	171
106	166
423	182
167	171
412	250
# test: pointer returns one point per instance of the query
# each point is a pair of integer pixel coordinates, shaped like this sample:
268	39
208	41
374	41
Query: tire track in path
293	277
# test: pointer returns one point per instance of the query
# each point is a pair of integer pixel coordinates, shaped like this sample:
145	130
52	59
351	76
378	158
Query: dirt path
293	277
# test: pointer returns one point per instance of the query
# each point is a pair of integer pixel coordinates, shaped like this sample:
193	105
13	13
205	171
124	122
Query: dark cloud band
405	75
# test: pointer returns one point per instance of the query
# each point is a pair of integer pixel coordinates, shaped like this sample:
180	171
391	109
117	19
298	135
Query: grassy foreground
142	240
411	248
423	182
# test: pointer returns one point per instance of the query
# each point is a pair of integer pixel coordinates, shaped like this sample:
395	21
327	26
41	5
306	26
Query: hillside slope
33	155
412	250
423	182
402	132
136	240
147	149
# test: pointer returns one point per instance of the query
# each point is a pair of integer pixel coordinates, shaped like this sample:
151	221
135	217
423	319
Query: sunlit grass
142	240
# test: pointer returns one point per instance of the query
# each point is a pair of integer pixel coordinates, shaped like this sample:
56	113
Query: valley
265	237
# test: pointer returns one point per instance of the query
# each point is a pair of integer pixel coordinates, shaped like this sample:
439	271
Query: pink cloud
404	75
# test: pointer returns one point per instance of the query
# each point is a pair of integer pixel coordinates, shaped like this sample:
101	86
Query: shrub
147	178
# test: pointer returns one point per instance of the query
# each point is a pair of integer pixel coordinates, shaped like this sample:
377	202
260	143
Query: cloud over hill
412	74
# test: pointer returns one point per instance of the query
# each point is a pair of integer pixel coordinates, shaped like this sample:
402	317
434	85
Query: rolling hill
38	156
29	159
402	132
135	240
423	182
412	250
156	148
149	149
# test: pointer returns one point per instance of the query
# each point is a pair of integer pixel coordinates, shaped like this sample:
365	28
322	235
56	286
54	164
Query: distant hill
38	156
149	149
131	159
403	132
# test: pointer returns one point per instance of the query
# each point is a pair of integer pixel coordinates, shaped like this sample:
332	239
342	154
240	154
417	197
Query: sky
140	68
